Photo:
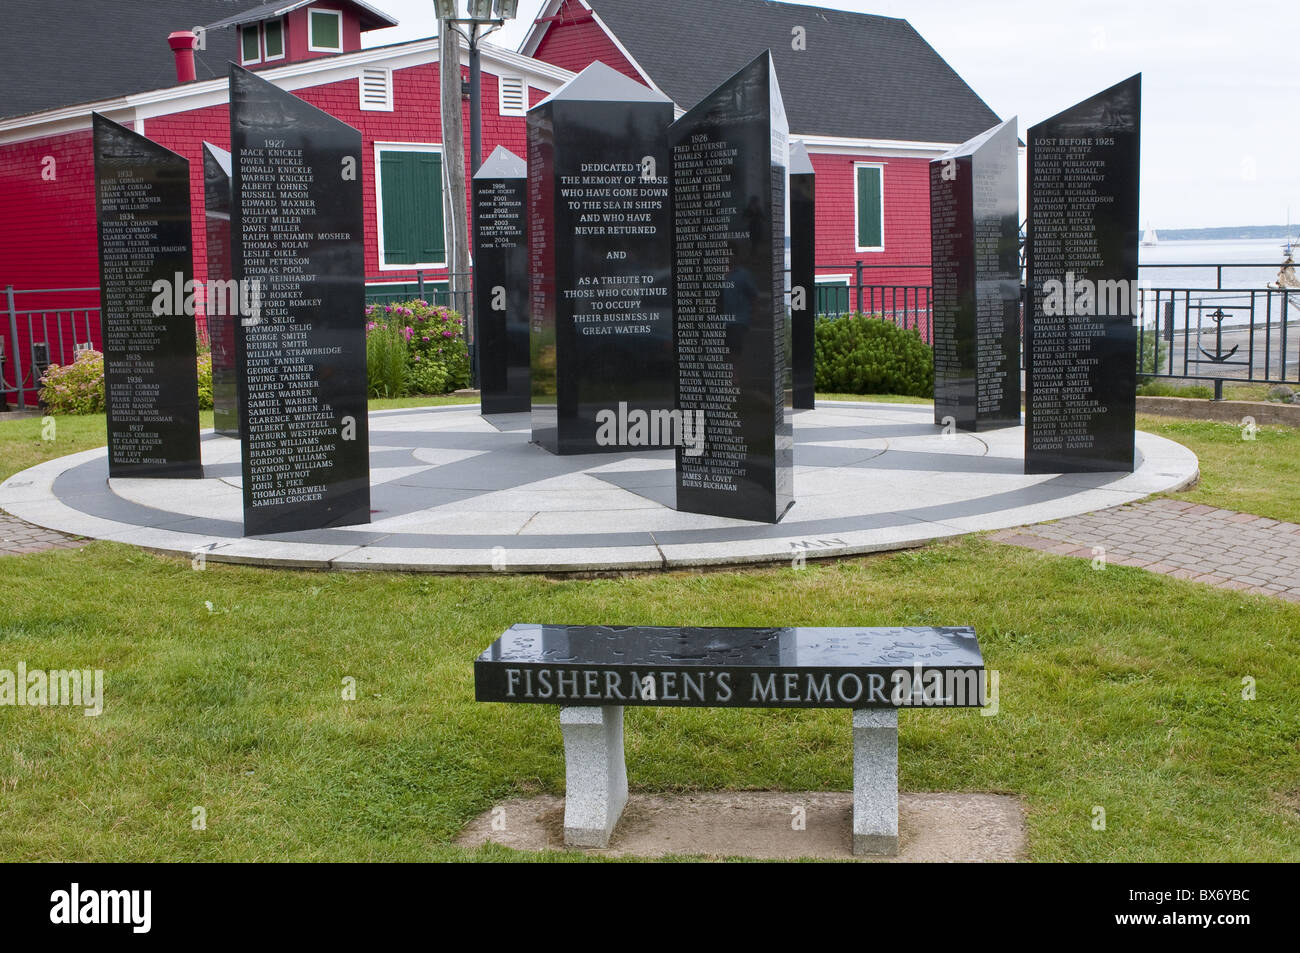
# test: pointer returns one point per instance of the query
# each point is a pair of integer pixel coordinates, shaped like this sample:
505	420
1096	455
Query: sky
1220	84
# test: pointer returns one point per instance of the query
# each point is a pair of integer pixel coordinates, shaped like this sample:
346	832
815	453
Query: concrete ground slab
455	492
933	827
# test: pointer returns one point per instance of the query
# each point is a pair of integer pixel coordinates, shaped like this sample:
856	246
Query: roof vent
377	88
514	96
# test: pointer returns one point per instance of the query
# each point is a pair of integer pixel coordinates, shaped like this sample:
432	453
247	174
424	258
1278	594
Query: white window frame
836	281
284	40
257	32
387	105
856	230
382	147
311	33
523	96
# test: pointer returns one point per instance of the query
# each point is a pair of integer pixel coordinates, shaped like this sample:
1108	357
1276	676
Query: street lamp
480	14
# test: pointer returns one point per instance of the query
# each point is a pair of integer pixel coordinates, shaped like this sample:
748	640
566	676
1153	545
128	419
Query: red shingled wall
576	41
48	240
907	219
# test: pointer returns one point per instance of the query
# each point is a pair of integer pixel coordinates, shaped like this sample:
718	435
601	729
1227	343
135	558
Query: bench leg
595	774
875	781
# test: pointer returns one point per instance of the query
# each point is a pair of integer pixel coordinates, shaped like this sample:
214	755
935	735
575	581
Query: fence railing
42	332
1218	334
387	290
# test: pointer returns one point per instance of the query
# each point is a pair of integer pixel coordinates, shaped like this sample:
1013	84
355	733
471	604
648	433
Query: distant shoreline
1225	233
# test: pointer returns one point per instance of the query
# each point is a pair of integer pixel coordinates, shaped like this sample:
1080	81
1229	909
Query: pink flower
447	334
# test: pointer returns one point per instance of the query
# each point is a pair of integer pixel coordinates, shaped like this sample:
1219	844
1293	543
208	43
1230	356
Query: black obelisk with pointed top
730	154
601	340
803	277
221	307
975	268
147	305
301	354
501	282
1082	265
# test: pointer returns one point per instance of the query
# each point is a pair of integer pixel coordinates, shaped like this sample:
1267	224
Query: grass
1159	387
1257	476
1119	689
22	446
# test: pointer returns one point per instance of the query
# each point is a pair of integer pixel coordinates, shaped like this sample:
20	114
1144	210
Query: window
273	37
377	88
833	294
250	46
869	219
325	31
409	206
513	93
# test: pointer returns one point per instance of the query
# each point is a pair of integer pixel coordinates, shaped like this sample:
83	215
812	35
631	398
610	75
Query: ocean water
1264	253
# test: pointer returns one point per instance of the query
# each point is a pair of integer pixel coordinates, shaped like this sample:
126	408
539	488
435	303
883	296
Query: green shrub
385	361
205	380
76	388
1154	351
861	354
426	377
437	357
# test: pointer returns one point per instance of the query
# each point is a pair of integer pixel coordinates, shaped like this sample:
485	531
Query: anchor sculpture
1218	357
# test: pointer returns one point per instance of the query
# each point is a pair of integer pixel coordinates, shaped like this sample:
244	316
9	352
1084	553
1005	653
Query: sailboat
1149	237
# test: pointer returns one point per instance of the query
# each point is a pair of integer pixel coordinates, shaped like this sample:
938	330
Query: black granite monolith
803	277
729	160
975	267
501	282
601	348
147	305
222	305
1082	261
301	347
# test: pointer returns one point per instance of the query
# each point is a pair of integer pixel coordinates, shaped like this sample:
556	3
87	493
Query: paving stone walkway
1186	540
17	537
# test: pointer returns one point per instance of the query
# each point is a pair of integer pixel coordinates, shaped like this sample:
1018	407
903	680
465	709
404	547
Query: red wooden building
873	102
871	99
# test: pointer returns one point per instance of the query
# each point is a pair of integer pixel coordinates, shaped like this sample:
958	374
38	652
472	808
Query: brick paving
1186	540
17	537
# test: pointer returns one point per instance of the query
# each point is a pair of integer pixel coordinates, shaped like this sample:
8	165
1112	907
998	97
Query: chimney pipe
182	43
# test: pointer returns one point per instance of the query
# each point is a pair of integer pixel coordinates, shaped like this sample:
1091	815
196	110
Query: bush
436	355
861	354
385	361
1154	351
205	380
76	388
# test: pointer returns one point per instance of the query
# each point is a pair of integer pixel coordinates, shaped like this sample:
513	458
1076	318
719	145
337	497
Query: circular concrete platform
455	491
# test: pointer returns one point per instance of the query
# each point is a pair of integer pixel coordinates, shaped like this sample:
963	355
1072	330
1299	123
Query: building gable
858	76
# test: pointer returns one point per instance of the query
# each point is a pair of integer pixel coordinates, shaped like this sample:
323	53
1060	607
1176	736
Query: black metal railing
40	333
907	304
385	289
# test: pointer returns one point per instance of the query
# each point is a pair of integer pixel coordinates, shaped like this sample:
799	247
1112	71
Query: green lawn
1118	689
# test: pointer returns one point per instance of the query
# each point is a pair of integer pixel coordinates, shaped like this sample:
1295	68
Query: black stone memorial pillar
147	305
803	276
601	320
501	282
975	263
729	158
1082	260
222	306
302	352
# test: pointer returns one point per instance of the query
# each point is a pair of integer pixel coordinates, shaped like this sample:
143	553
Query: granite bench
594	672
